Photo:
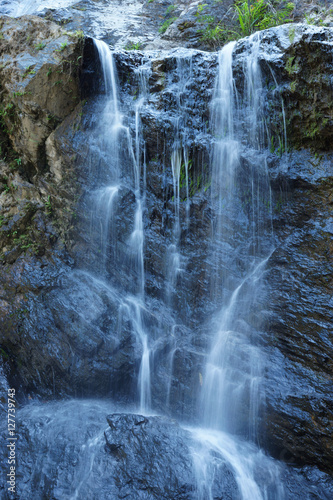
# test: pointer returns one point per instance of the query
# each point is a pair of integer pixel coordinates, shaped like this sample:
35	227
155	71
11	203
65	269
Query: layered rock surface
68	448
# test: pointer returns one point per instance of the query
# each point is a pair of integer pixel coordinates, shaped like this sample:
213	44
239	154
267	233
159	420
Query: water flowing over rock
177	259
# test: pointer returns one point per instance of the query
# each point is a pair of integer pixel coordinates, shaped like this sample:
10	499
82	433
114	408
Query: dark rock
154	453
62	452
300	277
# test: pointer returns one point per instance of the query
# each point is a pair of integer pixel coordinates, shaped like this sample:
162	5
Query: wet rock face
142	448
299	403
129	455
303	73
40	87
68	448
296	63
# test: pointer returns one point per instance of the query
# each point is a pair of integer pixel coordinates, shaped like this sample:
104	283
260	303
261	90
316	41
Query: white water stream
110	134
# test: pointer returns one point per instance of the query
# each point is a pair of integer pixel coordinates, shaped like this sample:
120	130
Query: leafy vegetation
40	46
62	47
28	71
78	34
48	206
212	32
168	20
26	242
260	15
166	24
133	46
290	67
249	17
171	8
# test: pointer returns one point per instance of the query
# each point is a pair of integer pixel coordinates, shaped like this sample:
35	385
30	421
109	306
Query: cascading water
231	395
231	391
114	135
180	167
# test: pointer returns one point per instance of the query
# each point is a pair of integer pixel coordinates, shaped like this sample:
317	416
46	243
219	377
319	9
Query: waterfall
116	145
155	286
180	168
231	389
232	393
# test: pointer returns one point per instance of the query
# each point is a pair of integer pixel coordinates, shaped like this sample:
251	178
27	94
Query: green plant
272	147
278	204
40	46
208	185
290	67
77	34
62	47
4	354
291	34
28	71
309	19
24	241
281	148
260	15
170	9
48	205
133	46
166	24
214	35
212	32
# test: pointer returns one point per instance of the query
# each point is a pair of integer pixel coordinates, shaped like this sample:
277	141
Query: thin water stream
106	202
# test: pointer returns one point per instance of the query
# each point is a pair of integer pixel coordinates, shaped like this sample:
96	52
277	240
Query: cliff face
60	326
40	87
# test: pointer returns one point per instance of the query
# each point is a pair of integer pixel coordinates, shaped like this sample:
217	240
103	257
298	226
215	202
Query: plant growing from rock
166	24
40	46
260	15
169	20
62	47
28	71
250	17
48	206
133	46
213	32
